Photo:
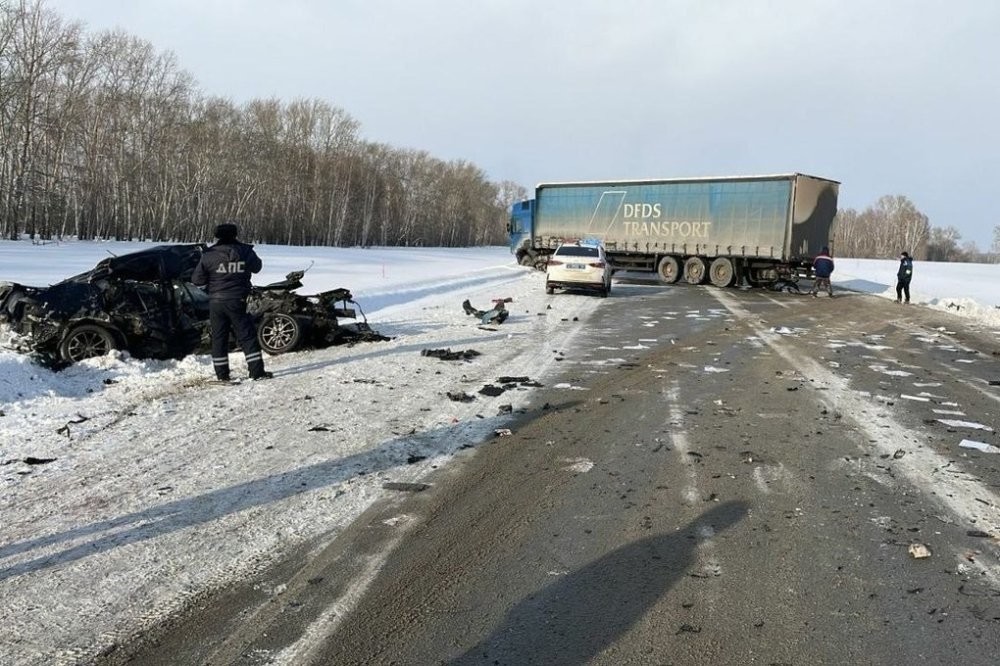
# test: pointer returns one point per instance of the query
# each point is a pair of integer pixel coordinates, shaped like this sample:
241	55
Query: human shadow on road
576	618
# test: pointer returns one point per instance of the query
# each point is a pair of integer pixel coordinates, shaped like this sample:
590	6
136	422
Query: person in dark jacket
224	270
903	276
823	269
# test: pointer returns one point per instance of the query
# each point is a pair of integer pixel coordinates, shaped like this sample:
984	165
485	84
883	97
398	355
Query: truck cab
520	230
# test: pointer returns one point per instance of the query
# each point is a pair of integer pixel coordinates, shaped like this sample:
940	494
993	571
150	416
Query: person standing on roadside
823	269
903	276
224	270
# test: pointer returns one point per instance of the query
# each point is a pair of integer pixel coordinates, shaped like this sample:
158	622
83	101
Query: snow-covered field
160	486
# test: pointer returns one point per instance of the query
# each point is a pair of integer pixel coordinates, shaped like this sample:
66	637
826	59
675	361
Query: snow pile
965	290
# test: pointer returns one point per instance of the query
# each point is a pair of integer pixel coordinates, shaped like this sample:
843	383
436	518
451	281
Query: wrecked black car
144	303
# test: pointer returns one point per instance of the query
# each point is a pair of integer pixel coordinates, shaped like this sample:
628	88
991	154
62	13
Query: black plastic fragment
449	355
406	487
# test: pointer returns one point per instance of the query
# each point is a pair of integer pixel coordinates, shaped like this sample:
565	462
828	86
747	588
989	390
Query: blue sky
893	97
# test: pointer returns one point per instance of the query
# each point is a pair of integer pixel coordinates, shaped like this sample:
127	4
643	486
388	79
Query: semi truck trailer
756	230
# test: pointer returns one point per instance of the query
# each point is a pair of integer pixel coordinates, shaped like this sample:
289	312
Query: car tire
86	341
549	289
279	333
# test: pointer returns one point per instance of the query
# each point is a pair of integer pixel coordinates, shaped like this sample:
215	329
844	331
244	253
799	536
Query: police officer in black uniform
225	270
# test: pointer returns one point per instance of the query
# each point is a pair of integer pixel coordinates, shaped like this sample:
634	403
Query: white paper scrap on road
952	423
579	465
979	446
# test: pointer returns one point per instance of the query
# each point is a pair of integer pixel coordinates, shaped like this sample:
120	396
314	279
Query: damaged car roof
163	262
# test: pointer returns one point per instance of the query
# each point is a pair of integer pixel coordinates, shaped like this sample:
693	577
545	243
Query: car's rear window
577	251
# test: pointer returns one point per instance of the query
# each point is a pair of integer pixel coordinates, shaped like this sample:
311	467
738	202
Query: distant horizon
73	239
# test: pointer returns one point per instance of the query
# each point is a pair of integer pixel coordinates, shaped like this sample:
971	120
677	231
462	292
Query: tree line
893	224
102	136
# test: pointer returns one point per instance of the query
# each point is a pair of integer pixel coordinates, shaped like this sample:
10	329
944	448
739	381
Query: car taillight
598	264
555	262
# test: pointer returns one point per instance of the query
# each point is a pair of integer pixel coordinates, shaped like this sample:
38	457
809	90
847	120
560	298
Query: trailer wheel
695	270
721	272
669	270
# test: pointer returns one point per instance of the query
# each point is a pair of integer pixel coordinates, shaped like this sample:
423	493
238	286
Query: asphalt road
730	477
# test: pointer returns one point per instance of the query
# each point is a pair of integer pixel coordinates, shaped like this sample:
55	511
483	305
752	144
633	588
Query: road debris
449	355
497	315
32	460
919	551
952	423
503	432
406	487
979	446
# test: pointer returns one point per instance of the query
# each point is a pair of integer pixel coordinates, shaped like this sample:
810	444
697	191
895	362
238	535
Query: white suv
577	266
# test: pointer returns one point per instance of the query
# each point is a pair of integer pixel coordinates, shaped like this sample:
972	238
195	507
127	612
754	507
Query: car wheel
279	333
548	289
87	341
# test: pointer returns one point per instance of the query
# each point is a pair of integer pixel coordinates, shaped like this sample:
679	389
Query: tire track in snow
707	565
537	361
495	276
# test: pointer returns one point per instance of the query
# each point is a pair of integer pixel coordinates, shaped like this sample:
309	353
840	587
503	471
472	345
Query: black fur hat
226	232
